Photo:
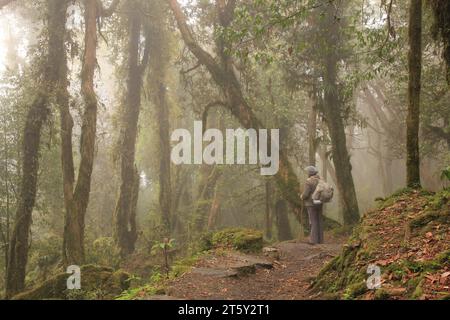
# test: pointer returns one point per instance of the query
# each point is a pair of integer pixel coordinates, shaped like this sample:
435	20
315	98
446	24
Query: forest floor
408	238
285	272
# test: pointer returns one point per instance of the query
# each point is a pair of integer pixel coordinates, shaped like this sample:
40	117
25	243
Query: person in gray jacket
314	210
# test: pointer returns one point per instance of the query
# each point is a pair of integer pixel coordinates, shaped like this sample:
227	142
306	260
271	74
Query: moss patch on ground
241	239
408	237
97	282
157	284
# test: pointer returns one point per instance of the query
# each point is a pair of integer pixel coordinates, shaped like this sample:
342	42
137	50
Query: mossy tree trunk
414	85
76	194
159	64
269	208
165	188
283	226
209	175
332	109
312	127
77	202
55	77
125	211
441	12
214	210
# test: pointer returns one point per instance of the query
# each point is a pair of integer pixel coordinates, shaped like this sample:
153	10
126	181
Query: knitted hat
311	170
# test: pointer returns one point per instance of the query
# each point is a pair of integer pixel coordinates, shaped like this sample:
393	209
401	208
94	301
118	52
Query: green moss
147	290
443	257
399	194
158	281
246	240
430	216
389	201
440	199
182	266
97	282
355	290
418	292
342	273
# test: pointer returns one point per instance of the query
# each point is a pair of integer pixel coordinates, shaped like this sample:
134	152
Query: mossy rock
97	282
245	240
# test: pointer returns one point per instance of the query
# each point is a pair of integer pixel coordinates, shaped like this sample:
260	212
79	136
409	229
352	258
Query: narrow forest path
285	274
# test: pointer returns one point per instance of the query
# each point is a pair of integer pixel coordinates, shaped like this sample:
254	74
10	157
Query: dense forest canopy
92	90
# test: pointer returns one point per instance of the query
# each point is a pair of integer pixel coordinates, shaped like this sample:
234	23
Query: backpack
323	192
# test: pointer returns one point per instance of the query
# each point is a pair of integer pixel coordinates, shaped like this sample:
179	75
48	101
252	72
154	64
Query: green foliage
103	251
445	175
157	281
164	248
163	245
44	256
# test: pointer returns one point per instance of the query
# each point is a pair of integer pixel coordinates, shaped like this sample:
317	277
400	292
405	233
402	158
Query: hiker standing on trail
314	207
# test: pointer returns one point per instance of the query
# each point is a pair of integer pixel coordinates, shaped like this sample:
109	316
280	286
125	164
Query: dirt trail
228	276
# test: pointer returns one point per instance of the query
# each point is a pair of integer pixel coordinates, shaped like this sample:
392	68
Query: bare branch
190	69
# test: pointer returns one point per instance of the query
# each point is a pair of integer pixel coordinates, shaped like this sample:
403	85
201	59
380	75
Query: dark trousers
316	222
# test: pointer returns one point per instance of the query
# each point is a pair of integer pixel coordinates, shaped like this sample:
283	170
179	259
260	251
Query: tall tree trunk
55	76
5	233
76	195
312	125
332	111
76	204
209	175
214	210
125	212
160	53
165	190
268	212
283	226
441	26
414	85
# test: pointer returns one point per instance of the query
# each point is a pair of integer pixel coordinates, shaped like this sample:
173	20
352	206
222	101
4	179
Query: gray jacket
310	186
